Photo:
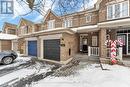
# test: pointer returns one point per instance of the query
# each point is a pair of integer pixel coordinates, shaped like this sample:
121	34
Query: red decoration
113	61
113	49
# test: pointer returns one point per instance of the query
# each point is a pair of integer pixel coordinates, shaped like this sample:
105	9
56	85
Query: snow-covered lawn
91	76
17	62
23	73
15	75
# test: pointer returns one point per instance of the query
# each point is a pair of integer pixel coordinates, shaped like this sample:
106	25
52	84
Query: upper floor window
125	9
67	23
11	31
88	18
118	10
24	29
51	24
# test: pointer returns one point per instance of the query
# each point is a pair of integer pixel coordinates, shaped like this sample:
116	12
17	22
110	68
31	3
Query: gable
24	22
50	16
7	26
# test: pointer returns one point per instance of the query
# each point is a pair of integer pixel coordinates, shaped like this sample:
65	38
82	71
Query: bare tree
61	6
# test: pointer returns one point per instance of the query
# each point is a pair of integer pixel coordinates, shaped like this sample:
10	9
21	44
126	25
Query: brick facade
71	39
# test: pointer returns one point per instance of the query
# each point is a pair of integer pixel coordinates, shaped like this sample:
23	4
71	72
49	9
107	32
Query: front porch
92	42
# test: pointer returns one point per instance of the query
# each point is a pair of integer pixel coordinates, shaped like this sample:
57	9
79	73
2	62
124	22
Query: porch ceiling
86	29
115	23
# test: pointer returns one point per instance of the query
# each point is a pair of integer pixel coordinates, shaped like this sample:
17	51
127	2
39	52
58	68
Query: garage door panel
52	49
32	48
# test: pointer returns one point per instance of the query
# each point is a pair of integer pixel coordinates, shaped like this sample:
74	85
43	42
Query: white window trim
113	7
52	21
87	21
96	42
69	23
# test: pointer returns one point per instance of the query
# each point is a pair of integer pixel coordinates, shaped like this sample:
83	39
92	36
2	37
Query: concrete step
85	57
126	63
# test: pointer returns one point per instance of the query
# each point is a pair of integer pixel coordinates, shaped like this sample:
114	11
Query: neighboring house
25	27
8	37
9	28
7	42
60	38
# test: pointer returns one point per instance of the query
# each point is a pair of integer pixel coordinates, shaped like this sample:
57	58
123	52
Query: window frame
11	31
67	23
95	41
121	8
90	16
51	24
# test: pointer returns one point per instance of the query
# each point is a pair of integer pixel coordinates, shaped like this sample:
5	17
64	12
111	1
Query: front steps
84	57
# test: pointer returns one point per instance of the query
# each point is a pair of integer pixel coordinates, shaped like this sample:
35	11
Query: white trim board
56	36
31	39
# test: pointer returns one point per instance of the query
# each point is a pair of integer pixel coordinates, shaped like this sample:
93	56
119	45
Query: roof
27	21
7	36
7	23
13	26
48	12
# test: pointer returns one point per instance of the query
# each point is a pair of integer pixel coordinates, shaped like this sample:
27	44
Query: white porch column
89	51
120	53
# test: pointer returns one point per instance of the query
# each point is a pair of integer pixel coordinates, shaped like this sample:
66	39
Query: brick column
102	39
113	34
38	47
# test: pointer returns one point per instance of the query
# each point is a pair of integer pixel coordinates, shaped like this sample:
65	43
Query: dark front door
85	44
32	48
128	44
52	49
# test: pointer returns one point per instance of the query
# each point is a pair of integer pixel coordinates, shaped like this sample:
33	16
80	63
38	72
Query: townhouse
8	37
60	38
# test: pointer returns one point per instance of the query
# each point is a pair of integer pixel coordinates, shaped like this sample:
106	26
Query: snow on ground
25	72
91	76
17	62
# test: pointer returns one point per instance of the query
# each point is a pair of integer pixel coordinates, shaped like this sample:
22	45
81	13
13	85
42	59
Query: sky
21	10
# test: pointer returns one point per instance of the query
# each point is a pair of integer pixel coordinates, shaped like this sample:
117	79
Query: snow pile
91	76
7	36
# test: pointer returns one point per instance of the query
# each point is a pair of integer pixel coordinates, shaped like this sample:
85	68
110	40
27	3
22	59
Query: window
94	40
51	24
118	10
67	23
11	31
24	29
125	9
88	18
109	12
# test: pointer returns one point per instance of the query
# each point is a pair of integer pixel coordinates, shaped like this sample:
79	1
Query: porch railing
93	51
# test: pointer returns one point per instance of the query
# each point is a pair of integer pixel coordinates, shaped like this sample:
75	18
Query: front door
84	43
128	42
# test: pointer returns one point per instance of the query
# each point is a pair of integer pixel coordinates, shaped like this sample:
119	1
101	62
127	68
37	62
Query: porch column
38	47
102	39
